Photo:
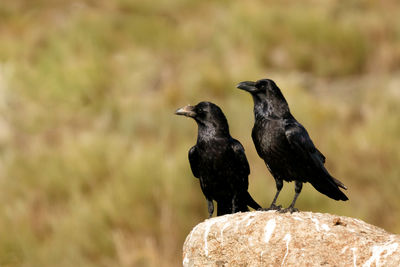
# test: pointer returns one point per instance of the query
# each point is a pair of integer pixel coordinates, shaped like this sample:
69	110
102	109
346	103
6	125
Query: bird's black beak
186	111
247	86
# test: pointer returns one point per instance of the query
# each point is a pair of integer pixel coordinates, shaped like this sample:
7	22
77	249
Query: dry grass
93	164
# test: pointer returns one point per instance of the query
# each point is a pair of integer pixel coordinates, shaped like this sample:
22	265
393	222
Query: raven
285	146
218	161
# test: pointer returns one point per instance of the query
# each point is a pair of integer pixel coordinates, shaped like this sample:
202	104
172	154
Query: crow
285	146
219	161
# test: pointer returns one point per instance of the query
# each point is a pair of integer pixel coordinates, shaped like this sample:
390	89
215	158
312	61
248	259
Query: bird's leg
297	189
279	185
210	205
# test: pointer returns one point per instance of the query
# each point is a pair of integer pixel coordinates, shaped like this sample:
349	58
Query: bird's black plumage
219	161
285	146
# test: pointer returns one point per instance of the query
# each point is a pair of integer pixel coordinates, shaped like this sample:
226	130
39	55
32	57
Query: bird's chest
215	170
212	159
269	136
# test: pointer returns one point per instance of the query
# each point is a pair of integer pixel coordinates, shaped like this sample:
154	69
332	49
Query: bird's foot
272	207
289	209
275	207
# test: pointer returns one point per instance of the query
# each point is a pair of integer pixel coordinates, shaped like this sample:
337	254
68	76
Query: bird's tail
251	202
339	183
329	186
224	207
240	204
244	201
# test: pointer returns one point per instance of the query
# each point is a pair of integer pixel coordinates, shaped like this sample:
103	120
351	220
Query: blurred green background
93	163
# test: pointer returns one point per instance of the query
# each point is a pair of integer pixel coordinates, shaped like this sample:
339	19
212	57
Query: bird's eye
260	84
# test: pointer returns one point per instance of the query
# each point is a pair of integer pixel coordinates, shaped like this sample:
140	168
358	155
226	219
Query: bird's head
265	91
207	115
264	88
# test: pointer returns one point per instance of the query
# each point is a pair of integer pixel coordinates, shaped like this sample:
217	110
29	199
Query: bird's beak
247	86
186	111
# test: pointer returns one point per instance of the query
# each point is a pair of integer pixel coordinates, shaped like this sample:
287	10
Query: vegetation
93	163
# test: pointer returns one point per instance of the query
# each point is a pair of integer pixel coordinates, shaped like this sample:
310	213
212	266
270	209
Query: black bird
285	146
218	161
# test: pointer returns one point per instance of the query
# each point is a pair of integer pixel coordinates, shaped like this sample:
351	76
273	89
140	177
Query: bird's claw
263	209
289	209
275	207
272	207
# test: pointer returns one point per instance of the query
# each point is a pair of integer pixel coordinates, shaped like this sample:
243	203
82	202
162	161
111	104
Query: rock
269	238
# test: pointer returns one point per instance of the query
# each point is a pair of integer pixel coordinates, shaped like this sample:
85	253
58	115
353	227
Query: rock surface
300	239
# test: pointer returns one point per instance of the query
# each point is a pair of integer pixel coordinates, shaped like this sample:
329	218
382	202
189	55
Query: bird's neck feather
209	131
269	109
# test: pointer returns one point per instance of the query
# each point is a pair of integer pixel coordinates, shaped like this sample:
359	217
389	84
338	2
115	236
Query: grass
93	162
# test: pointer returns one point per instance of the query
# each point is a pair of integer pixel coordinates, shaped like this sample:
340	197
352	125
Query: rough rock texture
299	239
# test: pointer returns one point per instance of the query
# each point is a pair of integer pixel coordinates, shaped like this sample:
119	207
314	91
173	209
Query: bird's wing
321	156
301	142
240	163
194	161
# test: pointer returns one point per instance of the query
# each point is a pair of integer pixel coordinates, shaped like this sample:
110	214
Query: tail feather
251	202
329	186
339	183
239	205
326	177
224	207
